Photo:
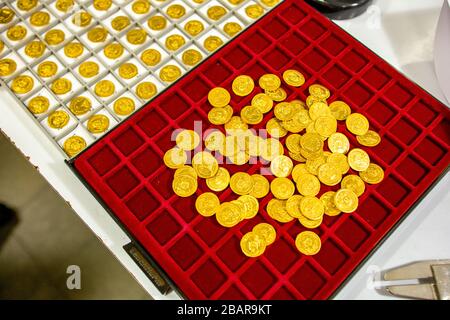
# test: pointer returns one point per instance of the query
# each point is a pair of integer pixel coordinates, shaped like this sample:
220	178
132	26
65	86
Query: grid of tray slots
204	260
68	67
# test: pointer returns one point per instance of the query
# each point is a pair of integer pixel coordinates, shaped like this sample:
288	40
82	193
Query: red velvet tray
125	169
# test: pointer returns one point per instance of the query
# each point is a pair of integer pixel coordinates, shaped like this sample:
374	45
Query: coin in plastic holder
170	72
191	56
194	27
146	89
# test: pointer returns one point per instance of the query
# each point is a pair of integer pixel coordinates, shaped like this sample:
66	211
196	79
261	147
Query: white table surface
401	32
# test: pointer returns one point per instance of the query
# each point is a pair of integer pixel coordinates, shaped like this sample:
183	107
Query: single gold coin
136	36
191	57
47	69
176	11
175	158
128	70
346	200
80	105
298	170
185	170
293	206
61	86
311	207
88	69
340	161
328	202
357	124
40	19
219	97
26	5
329	174
284	111
308	185
358	159
266	231
235	2
319	91
119	23
151	57
253	245
354	183
54	37
205	164
175	42
293	78
98	123
325	125
73	50
270	3
319	109
146	90
254	11
277	95
235	124
338	143
64	5
282	188
370	139
281	166
310	224
216	12
241	183
220	116
38	104
170	73
269	82
22	84
243	85
311	142
35	49
263	102
219	181
6	15
187	140
308	243
251	115
340	110
124	106
184	185
157	23
7	67
374	174
211	43
97	34
102	5
113	50
207	204
194	27
140	6
293	143
104	88
228	214
74	145
16	33
82	19
260	186
276	209
58	119
232	28
251	206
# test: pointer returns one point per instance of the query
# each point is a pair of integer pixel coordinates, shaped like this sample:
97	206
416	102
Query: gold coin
102	5
82	19
184	186
340	110
235	2
136	36
243	85
260	186
346	200
296	156
329	174
113	50
220	116
61	86
313	164
97	34
215	140
157	23
211	43
266	231
263	102
16	33
22	84
271	149
251	115
58	119
282	188
205	164
310	224
354	183
219	97
281	166
293	143
357	124
104	88
80	105
241	183
293	206
207	204
73	50
176	11
64	5
216	12
141	6
253	245
98	123
374	174
38	104
151	57
47	69
338	143
370	139
88	69
284	111
277	95
175	158
187	140
358	159
74	145
119	23
293	78
269	82
54	37
308	243
235	124
128	70
308	185
328	202
276	209
319	109
254	11
26	5
6	15
319	91
251	206
2	46
232	28
185	170
7	67
40	19
35	49
170	73
191	57
124	106
340	161
325	125
311	207
146	90
228	215
194	27
175	42
275	129
219	181
298	170
197	1
311	142
270	3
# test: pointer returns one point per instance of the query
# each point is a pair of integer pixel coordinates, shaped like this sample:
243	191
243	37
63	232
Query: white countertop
400	31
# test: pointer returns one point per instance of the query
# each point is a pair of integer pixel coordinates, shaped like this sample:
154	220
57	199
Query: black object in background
340	9
8	220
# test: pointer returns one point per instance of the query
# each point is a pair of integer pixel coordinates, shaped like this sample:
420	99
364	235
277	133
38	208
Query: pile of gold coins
145	46
317	155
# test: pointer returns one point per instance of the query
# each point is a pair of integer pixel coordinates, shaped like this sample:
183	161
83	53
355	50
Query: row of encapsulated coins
241	145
